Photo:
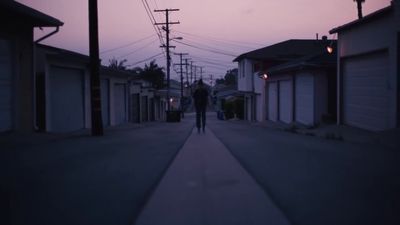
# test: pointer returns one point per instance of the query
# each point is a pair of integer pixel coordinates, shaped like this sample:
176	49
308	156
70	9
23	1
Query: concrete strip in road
206	185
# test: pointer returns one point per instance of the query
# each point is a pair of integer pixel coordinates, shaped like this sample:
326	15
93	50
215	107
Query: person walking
200	97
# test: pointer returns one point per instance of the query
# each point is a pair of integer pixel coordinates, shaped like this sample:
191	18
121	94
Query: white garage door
5	86
119	103
365	91
105	101
66	99
273	101
285	101
305	99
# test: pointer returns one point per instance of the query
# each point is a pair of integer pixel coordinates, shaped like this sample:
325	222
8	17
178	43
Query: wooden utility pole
201	72
167	30
187	71
97	123
181	72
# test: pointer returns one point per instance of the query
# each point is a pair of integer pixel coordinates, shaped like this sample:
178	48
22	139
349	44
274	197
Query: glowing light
264	76
329	49
171	100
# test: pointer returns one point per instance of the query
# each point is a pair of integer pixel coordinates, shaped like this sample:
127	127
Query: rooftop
12	10
286	50
370	17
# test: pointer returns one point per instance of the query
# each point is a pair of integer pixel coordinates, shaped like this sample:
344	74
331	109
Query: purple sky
228	26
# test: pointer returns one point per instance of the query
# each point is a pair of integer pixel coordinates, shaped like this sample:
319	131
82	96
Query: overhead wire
126	45
137	50
145	60
222	40
205	49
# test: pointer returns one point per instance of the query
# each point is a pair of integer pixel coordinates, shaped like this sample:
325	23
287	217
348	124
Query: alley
205	185
164	173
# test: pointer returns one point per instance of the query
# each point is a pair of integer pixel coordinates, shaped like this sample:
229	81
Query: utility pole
167	30
95	95
201	72
195	73
181	72
191	73
187	71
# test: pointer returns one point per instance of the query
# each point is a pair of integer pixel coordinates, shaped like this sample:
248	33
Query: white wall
371	36
86	89
245	76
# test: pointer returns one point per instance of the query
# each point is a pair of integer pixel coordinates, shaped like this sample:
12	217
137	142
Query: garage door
5	86
120	103
144	106
285	101
105	101
135	108
273	101
66	99
365	91
304	99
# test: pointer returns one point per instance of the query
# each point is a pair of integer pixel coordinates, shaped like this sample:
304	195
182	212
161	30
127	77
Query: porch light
171	100
329	48
264	76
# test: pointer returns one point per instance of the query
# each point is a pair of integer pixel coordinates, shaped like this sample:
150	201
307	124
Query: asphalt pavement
317	181
78	179
162	173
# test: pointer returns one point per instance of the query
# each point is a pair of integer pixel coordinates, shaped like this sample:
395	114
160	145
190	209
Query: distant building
272	99
17	80
369	70
63	91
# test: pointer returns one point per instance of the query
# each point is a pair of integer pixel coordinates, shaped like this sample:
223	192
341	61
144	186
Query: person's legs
198	112
203	119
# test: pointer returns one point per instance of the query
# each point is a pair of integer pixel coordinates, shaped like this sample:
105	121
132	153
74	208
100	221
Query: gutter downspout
34	97
48	35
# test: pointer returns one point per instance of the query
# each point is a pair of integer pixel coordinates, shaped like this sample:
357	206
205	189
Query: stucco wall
379	34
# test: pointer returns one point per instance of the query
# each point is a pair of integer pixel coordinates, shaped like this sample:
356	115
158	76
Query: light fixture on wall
263	76
329	48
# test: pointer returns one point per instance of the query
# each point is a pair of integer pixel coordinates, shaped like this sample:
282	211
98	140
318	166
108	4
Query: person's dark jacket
200	97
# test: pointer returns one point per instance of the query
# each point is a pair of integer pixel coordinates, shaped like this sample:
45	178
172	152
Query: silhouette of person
200	97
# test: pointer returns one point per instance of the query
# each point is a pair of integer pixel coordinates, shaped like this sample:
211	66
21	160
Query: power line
144	60
138	49
204	49
221	40
126	45
207	46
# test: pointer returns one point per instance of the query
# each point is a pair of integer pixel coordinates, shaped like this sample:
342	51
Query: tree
220	81
359	7
231	77
154	74
118	65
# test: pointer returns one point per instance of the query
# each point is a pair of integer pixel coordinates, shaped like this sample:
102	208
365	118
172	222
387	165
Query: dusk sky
230	27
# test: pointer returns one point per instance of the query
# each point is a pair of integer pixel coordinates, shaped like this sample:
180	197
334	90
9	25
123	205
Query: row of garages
309	96
63	93
357	84
301	98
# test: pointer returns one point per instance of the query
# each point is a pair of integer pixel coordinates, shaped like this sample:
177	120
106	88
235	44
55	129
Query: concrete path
205	185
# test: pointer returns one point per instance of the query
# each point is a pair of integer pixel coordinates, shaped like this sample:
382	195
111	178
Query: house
226	95
114	96
63	91
17	108
304	90
252	64
368	74
144	104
